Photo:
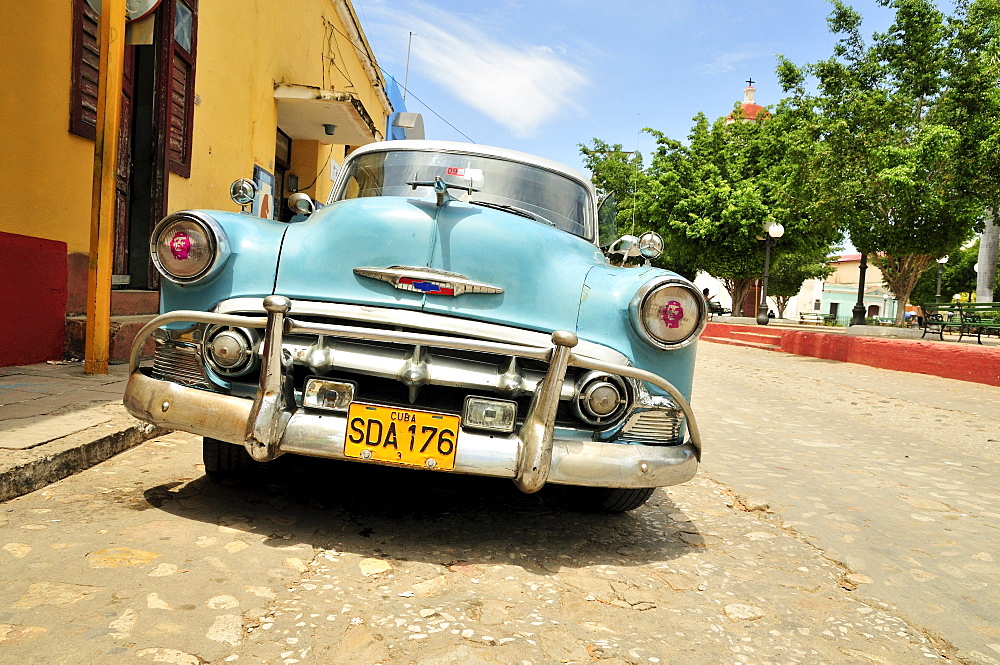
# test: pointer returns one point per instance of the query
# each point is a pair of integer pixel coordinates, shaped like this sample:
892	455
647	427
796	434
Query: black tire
605	499
224	460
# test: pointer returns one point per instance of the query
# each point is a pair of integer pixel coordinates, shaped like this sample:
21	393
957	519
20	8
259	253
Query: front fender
604	319
249	270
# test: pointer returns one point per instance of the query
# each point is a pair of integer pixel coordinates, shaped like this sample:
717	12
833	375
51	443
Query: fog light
327	394
230	351
601	398
493	414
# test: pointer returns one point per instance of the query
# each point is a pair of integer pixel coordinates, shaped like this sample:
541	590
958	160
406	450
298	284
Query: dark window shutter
183	26
86	64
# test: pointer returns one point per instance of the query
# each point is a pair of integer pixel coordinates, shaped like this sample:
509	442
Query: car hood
540	269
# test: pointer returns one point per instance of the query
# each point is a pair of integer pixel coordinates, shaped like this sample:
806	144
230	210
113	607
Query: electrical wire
385	73
323	168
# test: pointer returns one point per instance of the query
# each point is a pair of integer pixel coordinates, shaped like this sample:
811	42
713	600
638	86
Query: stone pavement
145	560
891	474
55	420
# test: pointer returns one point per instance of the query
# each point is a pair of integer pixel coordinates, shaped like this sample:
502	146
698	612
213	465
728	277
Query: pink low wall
952	360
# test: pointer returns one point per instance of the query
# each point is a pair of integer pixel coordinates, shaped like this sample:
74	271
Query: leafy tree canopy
712	198
905	127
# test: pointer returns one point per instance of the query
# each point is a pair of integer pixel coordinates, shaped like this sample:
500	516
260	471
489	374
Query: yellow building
267	89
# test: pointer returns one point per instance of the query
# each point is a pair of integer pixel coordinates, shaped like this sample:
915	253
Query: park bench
884	320
939	317
980	318
969	319
716	308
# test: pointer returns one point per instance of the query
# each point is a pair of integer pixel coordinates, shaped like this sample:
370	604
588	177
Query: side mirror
301	204
631	251
243	192
650	245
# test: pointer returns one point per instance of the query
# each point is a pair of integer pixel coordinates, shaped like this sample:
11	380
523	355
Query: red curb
950	360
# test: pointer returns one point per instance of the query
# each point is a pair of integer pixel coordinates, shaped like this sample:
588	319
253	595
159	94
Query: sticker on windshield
461	172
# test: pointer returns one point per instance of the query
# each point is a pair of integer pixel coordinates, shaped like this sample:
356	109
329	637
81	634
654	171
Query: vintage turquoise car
450	309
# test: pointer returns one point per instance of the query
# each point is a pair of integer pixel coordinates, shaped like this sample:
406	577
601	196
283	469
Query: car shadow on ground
436	518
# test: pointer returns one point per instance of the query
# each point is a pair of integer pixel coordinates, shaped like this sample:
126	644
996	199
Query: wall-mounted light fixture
329	129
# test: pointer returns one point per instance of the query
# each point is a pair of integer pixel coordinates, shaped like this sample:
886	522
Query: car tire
605	499
224	460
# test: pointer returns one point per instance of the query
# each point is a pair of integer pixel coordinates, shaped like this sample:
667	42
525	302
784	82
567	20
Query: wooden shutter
181	32
86	64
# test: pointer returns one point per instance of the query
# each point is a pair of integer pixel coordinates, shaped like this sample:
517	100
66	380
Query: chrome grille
179	362
653	427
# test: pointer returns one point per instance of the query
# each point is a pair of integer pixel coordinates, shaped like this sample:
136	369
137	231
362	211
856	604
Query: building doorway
156	120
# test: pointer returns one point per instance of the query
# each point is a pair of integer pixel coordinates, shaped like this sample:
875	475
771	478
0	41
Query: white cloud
724	63
519	86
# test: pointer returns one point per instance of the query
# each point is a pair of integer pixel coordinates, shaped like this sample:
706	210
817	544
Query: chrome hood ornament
427	280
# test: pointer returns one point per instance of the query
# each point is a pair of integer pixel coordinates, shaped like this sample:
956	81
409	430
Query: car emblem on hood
427	280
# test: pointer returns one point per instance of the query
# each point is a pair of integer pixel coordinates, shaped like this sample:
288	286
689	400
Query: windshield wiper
514	209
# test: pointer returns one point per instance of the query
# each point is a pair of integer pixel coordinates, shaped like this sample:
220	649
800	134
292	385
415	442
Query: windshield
525	190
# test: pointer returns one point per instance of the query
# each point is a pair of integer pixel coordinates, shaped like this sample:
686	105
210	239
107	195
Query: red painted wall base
952	360
33	288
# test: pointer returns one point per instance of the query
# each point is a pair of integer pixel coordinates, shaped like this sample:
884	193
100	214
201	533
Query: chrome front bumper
271	424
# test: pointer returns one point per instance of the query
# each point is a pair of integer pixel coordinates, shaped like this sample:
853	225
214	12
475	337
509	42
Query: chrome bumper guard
272	424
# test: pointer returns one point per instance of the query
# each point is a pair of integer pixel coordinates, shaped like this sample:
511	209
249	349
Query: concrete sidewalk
55	420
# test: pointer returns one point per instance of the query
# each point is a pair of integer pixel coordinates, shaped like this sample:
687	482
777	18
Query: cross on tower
750	82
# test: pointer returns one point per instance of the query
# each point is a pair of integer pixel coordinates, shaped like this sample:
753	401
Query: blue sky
543	76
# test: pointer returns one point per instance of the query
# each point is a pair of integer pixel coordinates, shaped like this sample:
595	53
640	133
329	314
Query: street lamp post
858	313
937	294
774	231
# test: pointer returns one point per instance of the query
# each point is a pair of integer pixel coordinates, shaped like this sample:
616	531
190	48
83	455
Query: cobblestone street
778	552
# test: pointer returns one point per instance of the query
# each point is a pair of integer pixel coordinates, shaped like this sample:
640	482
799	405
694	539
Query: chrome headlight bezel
217	250
656	287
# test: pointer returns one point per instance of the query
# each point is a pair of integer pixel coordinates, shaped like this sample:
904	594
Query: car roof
478	149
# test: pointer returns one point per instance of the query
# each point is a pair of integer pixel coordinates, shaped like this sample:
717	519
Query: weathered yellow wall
244	47
45	186
848	273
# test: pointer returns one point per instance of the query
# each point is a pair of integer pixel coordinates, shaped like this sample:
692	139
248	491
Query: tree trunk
987	275
782	302
901	274
738	290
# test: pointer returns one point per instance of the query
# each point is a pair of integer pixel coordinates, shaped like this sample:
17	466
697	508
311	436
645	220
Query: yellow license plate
402	436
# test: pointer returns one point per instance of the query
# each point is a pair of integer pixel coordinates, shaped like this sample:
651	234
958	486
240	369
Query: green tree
890	118
958	278
706	202
616	173
713	199
791	269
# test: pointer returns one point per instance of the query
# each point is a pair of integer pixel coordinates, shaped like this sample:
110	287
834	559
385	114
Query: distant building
838	293
752	111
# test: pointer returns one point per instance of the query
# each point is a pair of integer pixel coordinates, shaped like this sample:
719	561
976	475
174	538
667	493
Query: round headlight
669	313
185	246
